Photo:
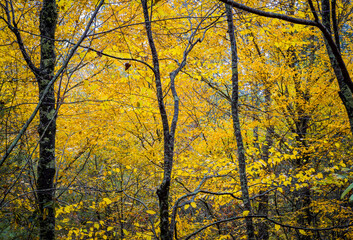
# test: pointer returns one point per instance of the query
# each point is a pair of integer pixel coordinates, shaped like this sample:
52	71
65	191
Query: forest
176	119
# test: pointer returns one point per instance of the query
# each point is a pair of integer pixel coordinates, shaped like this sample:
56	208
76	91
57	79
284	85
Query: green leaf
350	187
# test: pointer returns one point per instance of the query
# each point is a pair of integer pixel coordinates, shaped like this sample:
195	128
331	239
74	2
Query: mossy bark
47	124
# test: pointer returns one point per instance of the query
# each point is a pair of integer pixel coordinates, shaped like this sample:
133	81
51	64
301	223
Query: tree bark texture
236	125
47	124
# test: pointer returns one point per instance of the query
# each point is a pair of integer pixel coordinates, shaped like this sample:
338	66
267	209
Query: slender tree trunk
236	125
263	207
263	228
168	137
47	124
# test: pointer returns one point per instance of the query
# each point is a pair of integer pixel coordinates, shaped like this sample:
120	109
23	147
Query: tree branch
72	52
13	27
347	79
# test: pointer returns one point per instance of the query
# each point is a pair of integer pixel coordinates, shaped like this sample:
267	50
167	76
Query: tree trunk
47	124
263	228
168	137
236	125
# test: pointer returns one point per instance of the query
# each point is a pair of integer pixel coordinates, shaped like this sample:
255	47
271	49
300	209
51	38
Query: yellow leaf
246	213
96	225
186	206
150	212
93	87
302	232
277	227
67	209
107	201
110	228
193	204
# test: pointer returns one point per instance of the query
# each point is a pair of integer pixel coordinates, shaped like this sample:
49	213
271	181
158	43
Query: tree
236	125
338	64
47	105
163	190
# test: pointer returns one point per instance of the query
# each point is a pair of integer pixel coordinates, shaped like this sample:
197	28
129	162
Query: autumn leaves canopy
175	119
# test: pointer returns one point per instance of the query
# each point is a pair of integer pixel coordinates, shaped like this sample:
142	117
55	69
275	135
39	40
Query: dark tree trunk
168	136
236	125
47	124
